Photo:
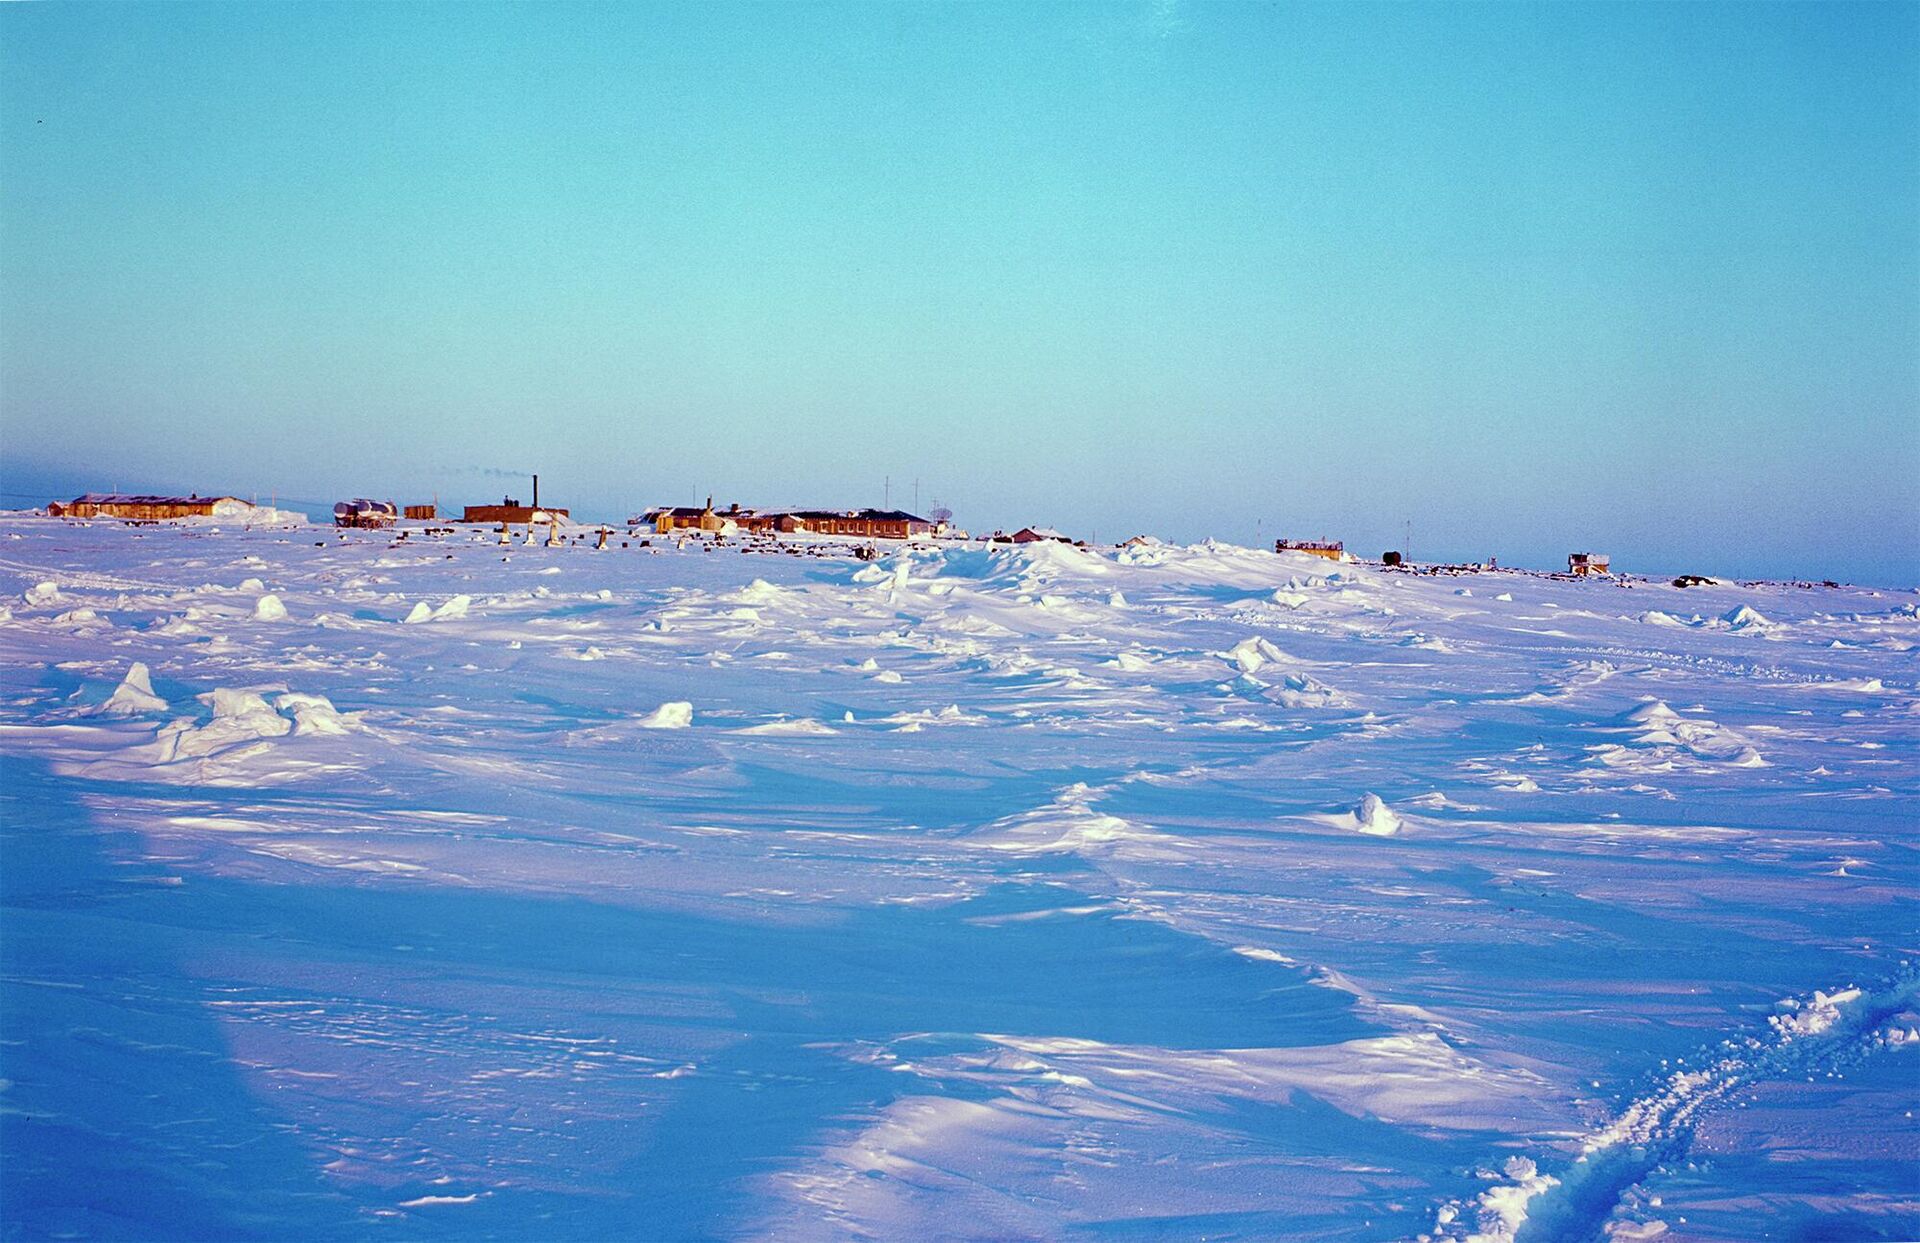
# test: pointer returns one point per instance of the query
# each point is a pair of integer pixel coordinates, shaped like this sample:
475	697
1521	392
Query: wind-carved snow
1002	891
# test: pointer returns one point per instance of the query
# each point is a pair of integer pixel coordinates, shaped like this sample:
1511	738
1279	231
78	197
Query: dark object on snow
1389	558
1693	580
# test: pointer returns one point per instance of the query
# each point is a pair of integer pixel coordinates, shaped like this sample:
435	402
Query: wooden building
1332	550
511	513
1584	563
668	518
422	513
859	523
1035	535
148	508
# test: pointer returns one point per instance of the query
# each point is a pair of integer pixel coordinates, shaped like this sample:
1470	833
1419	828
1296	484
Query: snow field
990	892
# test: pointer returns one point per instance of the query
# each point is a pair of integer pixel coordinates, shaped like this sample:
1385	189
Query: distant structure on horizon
1582	564
1037	535
860	523
1332	550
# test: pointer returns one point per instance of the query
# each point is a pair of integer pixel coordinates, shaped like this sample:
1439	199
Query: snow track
1817	1034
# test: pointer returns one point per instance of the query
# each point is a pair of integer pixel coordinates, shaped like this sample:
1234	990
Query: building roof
124	498
872	515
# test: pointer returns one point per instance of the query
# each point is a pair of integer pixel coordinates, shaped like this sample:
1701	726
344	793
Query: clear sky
1532	278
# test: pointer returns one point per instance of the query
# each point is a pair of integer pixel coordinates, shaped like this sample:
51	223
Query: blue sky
1641	278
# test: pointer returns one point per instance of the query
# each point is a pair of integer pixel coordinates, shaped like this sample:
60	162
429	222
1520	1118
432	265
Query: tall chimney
536	491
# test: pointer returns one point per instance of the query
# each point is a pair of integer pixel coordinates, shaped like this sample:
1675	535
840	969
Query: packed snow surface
358	887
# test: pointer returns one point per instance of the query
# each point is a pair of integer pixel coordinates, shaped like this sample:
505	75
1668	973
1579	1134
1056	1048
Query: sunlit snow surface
455	890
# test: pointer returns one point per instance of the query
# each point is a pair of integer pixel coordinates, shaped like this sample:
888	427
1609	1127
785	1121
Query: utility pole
916	495
886	494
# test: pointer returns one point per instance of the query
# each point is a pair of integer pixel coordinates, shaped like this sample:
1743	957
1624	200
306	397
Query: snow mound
450	611
1068	824
674	714
1658	617
239	718
134	695
1815	1015
1251	655
1656	727
269	608
1373	816
1298	690
1022	565
1745	619
40	595
312	714
801	726
760	591
80	619
1861	686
